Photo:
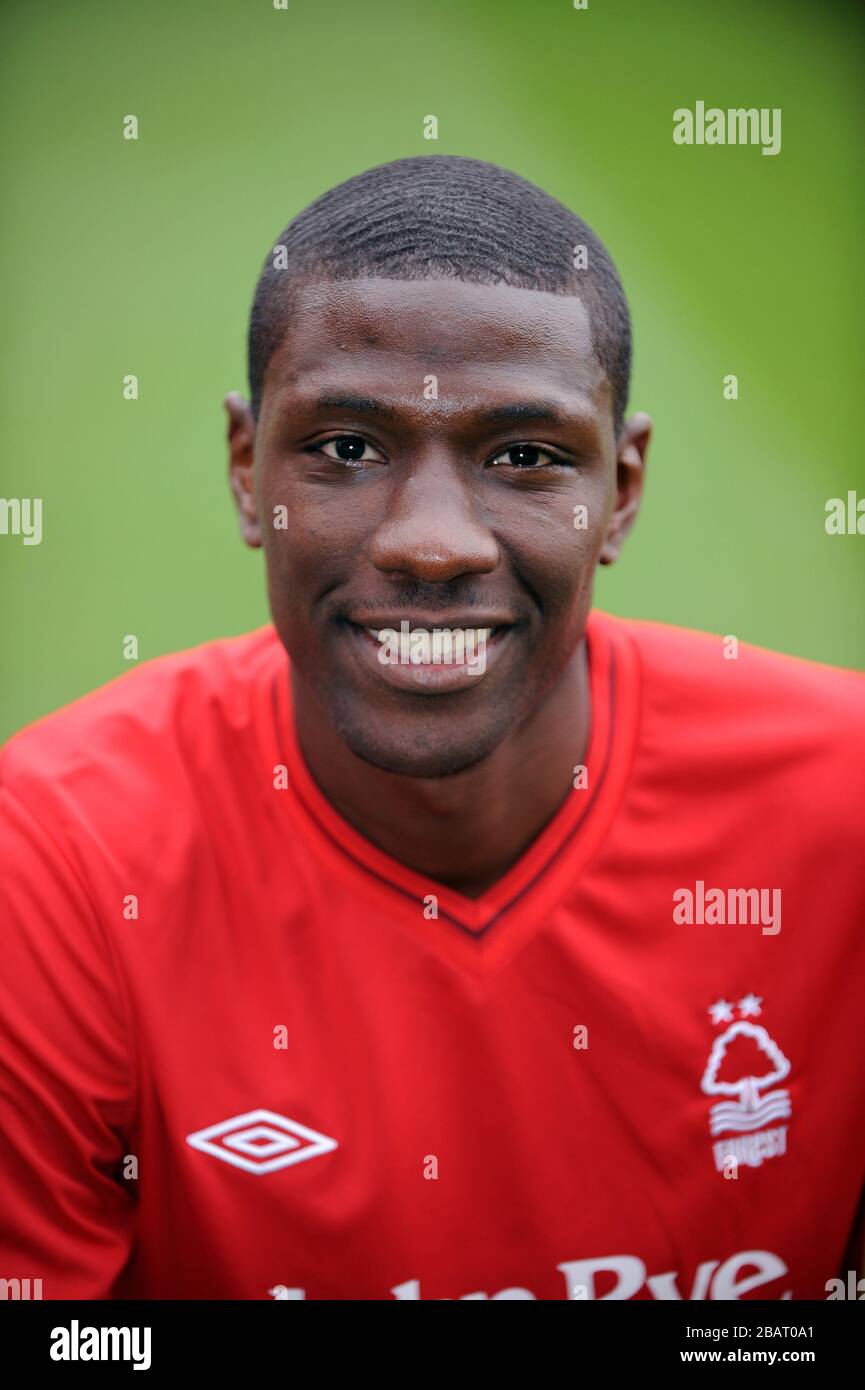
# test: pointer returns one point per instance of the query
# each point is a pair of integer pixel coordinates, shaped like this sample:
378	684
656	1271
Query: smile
420	646
428	659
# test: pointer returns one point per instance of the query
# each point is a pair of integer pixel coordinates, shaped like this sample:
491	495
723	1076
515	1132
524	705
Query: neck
468	829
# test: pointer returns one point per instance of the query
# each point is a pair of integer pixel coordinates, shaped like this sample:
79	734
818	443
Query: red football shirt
246	1054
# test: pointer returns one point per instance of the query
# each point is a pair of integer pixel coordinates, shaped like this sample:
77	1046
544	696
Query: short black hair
439	215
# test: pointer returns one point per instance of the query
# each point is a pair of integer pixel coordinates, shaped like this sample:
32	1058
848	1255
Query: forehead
478	339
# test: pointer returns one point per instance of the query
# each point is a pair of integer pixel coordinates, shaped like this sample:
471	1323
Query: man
487	947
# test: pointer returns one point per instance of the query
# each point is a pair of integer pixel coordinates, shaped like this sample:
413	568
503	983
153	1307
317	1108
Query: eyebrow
515	413
360	405
521	411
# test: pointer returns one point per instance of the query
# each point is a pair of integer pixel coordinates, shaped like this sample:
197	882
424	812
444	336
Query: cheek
307	532
557	553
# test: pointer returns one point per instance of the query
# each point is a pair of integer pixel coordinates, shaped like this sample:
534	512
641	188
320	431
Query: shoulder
707	701
686	670
150	726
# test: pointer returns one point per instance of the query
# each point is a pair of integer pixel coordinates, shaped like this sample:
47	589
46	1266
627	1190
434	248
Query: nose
431	531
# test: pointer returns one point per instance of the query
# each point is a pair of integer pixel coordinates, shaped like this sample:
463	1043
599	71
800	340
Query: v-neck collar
482	931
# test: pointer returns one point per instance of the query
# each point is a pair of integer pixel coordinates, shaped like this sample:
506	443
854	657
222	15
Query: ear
631	448
241	444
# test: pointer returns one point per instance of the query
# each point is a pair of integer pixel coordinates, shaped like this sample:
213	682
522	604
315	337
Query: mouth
428	657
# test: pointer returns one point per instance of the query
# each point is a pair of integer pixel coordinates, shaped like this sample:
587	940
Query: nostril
433	566
446	555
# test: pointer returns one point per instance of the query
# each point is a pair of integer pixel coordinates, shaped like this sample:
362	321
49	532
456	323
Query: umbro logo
261	1141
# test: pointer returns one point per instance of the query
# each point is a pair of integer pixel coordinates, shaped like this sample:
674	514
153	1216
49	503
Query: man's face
420	452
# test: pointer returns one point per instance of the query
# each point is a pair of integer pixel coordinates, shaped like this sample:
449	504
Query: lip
428	679
471	618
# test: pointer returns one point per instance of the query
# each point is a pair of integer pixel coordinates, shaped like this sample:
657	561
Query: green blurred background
140	257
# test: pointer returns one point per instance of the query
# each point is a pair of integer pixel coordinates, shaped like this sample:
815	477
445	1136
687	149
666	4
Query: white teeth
437	646
464	634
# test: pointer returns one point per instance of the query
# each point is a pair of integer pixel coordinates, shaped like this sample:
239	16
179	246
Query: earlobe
240	434
613	541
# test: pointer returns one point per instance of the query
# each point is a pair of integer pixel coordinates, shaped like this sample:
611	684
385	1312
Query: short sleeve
66	1074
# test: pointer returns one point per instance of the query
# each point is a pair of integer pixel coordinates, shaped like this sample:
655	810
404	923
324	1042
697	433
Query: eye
526	456
349	448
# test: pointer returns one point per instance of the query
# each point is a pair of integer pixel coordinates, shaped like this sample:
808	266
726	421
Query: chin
428	754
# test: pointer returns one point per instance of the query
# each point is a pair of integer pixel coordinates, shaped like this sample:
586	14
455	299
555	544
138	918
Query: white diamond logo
261	1141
